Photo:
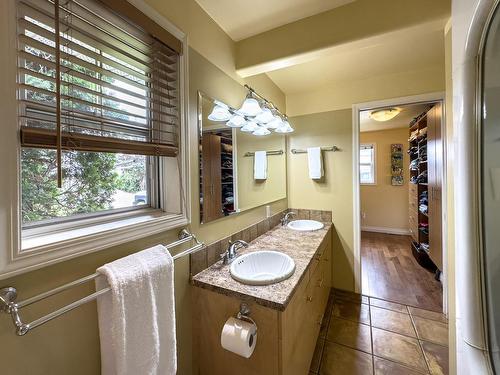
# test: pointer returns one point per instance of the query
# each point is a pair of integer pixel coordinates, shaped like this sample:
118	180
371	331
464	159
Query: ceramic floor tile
352	334
385	367
392	321
344	295
437	358
431	330
316	360
388	305
398	348
357	312
432	315
341	360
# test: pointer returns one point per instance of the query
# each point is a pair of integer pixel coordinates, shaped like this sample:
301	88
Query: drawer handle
309	299
320	284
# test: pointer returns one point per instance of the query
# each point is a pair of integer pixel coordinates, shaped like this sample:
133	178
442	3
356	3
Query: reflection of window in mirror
367	164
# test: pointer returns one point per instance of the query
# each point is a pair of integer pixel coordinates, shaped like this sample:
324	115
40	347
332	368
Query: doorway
398	153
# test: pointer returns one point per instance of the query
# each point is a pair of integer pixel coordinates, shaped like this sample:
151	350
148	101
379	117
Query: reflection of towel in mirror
315	163
260	165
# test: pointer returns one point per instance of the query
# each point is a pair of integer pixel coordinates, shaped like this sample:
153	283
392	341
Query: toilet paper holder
244	314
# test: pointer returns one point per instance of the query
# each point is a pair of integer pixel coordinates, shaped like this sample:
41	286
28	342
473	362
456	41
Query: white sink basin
305	225
262	268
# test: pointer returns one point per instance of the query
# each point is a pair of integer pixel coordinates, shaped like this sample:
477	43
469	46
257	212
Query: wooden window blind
105	84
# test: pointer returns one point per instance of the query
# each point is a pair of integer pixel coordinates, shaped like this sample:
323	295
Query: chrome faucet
230	254
286	219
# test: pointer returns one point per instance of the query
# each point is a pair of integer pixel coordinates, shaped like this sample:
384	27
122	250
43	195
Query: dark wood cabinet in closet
426	171
211	178
435	183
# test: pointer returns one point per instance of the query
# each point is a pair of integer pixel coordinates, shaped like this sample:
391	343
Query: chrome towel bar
8	295
275	152
298	151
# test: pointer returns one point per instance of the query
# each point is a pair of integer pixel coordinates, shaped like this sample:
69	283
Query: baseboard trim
386	230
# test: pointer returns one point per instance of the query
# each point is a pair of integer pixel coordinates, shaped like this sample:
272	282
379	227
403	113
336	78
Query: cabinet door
435	168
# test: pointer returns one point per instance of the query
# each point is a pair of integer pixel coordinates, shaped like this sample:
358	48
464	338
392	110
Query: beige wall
384	205
335	127
334	192
253	192
341	95
70	344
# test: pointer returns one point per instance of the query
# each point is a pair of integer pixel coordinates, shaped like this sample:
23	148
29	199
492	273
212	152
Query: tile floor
365	335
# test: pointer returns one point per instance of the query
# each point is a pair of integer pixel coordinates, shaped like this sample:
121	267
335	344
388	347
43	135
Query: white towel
137	318
260	165
315	163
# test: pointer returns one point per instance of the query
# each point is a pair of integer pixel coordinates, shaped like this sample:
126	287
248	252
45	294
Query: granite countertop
300	246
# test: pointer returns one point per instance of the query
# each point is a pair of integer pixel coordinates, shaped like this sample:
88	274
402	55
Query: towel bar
8	295
298	151
276	152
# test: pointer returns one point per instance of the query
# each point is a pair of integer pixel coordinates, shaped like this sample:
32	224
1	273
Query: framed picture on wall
397	178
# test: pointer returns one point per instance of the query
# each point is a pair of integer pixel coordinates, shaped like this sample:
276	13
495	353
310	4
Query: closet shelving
418	191
217	174
425	192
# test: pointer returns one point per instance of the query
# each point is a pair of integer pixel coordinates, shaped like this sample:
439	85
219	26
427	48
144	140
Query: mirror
226	161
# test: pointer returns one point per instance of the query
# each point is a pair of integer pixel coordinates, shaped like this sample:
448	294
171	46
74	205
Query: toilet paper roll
239	336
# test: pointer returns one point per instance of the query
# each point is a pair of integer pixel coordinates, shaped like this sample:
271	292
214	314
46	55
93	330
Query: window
367	164
99	115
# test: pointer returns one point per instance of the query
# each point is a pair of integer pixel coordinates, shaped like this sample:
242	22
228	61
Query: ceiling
408	112
395	53
241	19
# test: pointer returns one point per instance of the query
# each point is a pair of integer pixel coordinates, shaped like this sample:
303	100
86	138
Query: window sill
80	238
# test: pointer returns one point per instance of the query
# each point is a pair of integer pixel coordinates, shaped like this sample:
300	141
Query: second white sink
262	268
305	225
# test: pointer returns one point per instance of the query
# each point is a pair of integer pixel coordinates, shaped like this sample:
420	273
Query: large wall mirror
230	182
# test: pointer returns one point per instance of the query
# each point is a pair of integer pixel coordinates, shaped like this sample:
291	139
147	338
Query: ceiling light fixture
385	114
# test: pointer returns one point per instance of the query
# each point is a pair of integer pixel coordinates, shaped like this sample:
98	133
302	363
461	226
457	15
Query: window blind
104	84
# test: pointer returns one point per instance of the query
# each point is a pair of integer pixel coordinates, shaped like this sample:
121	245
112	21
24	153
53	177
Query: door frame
356	109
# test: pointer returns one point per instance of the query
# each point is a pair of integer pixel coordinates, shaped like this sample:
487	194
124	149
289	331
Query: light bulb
250	107
236	121
276	123
265	116
261	131
219	113
250	127
285	128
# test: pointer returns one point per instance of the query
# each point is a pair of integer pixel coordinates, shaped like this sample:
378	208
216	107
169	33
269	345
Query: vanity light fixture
265	116
250	127
286	128
385	114
236	121
276	123
257	115
220	112
261	131
250	107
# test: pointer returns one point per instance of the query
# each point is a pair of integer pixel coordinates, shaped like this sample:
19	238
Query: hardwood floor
389	271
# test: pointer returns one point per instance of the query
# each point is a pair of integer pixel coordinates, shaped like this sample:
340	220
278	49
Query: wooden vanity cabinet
300	323
285	339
